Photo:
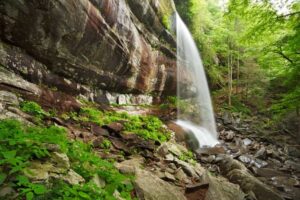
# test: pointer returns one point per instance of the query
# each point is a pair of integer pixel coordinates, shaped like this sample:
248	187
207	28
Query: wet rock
210	151
228	164
73	178
181	176
61	160
98	181
180	134
250	183
268	172
245	159
187	168
287	183
170	170
294	150
98	131
229	136
98	142
8	98
52	147
150	187
211	158
117	195
130	166
169	157
14	81
38	171
247	141
163	150
121	100
259	163
221	189
168	177
292	165
261	153
239	174
173	148
197	191
7	192
114	127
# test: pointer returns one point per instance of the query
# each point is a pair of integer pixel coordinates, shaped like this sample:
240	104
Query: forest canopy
251	52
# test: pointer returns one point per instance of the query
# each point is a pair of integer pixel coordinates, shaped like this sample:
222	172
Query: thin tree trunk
229	79
238	75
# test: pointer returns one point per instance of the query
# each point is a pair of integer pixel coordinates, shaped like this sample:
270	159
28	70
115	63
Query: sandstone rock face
115	45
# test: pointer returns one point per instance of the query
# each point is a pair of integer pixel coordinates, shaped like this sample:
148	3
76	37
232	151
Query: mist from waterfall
202	126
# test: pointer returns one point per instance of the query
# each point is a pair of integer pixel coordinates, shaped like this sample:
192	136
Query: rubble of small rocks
263	169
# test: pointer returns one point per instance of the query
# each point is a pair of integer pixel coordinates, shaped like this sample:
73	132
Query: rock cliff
114	45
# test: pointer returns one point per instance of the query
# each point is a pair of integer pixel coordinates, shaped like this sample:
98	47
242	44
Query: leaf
9	154
84	195
2	177
22	180
29	196
39	189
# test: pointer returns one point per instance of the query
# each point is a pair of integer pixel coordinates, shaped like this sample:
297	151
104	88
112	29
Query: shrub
34	109
147	127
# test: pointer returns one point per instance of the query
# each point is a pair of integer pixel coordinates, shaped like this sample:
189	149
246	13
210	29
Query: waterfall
200	122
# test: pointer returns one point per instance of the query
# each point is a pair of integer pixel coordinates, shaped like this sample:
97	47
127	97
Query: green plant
187	156
34	109
106	144
147	127
19	145
166	21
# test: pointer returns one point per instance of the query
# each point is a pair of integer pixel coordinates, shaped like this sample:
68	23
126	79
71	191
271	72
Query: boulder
60	160
8	98
221	189
251	184
150	187
130	166
237	173
180	134
114	127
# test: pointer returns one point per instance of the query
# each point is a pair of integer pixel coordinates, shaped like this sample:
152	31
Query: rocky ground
245	165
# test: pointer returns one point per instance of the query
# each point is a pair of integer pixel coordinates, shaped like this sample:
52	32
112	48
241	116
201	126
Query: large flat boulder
150	187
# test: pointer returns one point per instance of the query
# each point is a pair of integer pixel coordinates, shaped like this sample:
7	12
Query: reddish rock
114	45
180	134
98	131
197	191
98	141
114	127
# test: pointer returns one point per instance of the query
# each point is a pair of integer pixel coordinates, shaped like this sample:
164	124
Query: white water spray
203	127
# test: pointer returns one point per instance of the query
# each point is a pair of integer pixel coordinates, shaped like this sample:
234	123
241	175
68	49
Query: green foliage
187	156
106	144
20	144
172	102
34	109
166	21
147	127
238	107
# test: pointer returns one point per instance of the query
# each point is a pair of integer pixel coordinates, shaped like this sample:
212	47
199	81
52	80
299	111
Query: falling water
202	126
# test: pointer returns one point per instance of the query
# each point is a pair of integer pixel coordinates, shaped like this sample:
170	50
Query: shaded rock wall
115	45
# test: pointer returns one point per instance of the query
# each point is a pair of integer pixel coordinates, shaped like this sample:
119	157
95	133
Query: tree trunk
238	75
229	78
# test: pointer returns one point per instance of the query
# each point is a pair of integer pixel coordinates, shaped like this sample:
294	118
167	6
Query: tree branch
284	56
289	14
